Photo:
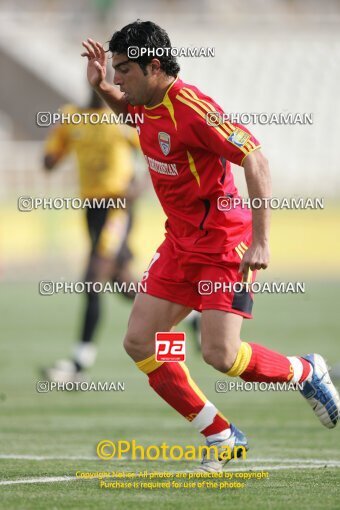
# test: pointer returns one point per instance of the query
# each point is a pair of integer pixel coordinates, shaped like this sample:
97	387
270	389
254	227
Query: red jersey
189	162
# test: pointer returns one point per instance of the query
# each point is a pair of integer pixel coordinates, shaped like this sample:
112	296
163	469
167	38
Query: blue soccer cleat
320	392
226	450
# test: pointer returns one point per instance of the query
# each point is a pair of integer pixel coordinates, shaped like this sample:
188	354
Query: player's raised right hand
96	65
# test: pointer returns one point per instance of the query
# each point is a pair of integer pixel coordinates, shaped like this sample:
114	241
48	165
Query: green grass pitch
58	431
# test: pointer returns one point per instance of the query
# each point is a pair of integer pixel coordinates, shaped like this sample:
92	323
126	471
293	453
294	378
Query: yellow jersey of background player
105	161
103	151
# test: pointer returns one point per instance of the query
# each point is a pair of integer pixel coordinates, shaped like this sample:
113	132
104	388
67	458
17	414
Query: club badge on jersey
164	142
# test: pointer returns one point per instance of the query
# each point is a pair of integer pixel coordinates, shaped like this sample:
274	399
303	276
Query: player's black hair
145	34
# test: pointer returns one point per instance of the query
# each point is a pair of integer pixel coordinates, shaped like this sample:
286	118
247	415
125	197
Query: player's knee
134	345
131	344
221	358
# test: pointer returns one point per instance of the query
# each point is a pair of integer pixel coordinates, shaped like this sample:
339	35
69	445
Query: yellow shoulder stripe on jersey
211	108
195	96
193	168
226	124
208	107
198	106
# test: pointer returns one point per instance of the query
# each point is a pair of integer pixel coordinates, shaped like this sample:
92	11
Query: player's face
137	87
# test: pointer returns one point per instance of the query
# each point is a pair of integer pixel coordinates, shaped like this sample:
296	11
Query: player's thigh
148	316
221	341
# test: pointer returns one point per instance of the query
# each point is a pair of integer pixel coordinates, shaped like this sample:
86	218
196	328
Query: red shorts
202	281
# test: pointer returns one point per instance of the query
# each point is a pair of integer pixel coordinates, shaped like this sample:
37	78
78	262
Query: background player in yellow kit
105	160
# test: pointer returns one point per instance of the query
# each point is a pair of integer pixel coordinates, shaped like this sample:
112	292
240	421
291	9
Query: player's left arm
258	180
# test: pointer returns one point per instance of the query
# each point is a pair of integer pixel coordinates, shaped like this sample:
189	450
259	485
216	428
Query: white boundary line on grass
43	479
317	462
56	479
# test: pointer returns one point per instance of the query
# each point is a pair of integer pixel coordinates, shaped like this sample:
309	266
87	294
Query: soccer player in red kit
188	154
